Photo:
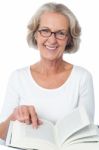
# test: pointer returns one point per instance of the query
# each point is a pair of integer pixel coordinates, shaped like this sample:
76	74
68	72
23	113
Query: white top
51	104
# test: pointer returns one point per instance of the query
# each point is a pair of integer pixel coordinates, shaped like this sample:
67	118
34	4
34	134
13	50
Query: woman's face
51	46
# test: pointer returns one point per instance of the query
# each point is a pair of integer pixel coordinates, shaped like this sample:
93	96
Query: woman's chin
50	57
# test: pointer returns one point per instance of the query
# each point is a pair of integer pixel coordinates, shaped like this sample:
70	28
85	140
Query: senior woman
52	87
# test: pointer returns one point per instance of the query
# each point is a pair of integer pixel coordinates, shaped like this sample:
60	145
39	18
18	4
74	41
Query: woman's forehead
53	19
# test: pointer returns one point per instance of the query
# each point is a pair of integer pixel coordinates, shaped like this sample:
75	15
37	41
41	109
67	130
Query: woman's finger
26	114
33	116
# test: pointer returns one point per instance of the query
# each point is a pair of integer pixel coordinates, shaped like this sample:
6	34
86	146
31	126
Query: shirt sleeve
86	94
12	98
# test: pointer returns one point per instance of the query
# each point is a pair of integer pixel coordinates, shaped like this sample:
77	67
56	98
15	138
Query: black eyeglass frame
55	34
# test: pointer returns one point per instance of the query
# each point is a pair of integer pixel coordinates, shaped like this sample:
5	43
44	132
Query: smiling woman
52	87
73	28
51	46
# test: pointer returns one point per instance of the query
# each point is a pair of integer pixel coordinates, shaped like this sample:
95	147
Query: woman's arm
12	109
4	128
86	94
10	102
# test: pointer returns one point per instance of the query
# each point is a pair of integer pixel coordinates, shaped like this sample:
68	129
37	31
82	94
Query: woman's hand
26	114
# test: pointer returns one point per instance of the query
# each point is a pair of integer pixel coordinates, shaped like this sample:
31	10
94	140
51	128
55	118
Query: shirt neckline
48	89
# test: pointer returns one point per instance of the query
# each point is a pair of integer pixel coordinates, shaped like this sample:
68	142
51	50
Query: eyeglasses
61	34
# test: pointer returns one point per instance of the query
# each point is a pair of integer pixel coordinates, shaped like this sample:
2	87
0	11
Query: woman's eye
61	33
45	30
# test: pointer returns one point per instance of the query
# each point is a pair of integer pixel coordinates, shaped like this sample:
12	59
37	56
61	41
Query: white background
15	53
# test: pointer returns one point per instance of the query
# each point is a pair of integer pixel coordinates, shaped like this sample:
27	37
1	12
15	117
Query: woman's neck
51	67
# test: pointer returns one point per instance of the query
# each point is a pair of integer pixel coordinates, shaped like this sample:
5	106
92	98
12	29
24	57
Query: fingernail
35	127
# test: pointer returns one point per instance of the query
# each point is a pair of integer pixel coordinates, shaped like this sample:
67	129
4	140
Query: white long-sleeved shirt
51	104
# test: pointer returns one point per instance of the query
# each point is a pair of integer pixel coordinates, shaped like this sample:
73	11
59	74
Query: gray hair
74	28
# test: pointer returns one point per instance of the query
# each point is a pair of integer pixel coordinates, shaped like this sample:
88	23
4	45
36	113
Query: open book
73	128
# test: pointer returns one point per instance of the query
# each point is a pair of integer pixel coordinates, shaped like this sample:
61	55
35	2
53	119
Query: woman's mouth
52	48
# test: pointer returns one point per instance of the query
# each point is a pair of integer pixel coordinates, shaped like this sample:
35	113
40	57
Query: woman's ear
69	41
35	35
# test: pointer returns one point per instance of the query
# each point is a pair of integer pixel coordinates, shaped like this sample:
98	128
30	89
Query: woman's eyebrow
43	27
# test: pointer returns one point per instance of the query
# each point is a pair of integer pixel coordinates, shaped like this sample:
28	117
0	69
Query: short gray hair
74	28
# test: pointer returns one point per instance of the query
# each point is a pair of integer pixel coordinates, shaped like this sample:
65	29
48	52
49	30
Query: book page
23	134
92	139
87	132
70	124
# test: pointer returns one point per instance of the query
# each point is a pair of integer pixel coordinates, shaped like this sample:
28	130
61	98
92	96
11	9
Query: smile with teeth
51	47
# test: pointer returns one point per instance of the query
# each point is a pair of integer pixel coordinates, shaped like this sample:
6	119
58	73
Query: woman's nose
52	38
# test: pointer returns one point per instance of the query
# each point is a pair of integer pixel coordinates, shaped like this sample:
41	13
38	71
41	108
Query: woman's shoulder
81	71
19	72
